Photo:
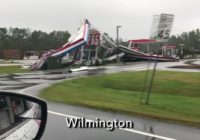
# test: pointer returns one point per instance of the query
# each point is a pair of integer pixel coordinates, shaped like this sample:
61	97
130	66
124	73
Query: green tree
191	41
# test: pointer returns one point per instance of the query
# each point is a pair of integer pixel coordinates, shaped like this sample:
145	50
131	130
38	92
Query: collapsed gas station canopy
141	41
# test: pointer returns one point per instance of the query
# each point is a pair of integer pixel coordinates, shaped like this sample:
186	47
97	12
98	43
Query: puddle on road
23	80
15	87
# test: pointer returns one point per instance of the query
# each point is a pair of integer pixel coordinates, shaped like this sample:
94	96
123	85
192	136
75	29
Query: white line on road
124	129
146	134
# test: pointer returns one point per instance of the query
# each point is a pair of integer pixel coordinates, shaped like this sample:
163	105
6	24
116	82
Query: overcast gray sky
135	16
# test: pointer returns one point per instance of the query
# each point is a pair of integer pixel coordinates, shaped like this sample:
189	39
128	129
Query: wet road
57	128
23	80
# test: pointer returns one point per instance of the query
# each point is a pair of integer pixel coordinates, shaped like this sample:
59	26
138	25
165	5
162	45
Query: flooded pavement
10	83
18	81
24	80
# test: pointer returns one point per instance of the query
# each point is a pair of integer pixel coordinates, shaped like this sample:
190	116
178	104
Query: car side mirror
21	116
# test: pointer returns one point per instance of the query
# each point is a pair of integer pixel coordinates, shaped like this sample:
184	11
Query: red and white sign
94	38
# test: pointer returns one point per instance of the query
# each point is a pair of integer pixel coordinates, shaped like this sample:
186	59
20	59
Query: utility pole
117	31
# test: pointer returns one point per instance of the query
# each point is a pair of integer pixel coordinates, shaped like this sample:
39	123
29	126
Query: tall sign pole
117	31
161	27
151	83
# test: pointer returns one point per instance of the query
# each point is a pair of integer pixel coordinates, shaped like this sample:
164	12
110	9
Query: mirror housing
35	114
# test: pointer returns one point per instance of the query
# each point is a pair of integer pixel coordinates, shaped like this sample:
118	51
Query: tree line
189	42
26	40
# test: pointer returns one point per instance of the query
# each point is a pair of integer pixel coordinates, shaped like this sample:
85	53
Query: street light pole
117	31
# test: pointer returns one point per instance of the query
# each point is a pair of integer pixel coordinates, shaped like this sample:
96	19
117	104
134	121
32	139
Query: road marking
61	114
124	129
146	134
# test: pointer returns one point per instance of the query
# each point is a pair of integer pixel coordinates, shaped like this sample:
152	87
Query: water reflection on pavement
24	80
